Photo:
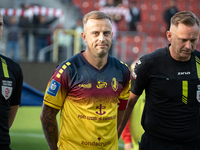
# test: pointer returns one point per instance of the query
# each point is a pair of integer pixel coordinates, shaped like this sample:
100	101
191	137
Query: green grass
26	132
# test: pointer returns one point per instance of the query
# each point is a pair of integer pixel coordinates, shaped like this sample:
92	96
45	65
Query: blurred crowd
37	32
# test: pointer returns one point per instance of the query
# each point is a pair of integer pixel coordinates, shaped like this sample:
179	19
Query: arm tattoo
50	126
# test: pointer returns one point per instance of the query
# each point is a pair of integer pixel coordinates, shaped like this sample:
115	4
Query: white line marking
28	135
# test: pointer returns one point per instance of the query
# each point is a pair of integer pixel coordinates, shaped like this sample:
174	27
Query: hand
128	146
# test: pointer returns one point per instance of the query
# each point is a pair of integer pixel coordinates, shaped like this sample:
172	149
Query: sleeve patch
134	75
53	88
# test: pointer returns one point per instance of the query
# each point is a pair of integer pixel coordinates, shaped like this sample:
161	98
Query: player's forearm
119	117
131	103
125	119
50	126
128	146
13	112
51	134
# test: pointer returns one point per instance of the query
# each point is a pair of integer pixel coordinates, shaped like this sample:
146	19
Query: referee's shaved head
183	35
185	17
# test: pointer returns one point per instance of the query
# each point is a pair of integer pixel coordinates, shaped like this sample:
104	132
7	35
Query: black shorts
149	142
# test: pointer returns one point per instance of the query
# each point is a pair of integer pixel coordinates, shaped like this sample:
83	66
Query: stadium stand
130	45
152	24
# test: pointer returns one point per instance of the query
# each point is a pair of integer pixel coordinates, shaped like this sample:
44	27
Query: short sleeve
139	77
57	88
16	97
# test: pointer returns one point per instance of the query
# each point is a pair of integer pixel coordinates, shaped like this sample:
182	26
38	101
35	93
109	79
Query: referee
11	80
171	79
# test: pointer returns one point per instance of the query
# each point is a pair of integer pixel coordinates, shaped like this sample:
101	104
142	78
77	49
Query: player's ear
84	37
169	35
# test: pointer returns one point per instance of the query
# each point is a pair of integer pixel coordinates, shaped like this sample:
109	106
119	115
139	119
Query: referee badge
6	92
6	89
198	93
198	96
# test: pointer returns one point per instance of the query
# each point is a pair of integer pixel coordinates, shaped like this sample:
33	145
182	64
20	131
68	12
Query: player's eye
95	33
107	33
184	40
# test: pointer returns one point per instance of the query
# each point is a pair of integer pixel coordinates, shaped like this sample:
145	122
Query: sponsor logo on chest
184	73
101	85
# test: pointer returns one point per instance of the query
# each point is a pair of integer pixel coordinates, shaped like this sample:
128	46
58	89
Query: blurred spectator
115	34
63	39
79	28
12	37
134	15
110	3
66	1
25	25
41	32
169	12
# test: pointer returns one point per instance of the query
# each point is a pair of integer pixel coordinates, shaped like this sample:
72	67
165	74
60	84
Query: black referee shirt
172	92
11	80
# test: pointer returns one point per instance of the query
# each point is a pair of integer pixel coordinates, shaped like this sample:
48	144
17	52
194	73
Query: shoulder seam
157	53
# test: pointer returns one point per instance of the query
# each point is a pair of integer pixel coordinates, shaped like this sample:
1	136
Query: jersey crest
114	84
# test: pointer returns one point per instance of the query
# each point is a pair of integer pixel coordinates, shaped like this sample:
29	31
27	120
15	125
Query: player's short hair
185	17
95	15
